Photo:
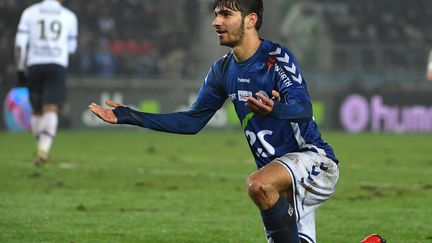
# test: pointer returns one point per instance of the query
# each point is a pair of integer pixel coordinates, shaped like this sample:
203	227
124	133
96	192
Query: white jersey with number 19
47	34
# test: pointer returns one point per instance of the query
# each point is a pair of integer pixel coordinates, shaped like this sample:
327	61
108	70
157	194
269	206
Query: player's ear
251	20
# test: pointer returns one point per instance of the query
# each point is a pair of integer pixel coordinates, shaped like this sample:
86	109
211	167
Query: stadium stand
117	37
381	38
375	40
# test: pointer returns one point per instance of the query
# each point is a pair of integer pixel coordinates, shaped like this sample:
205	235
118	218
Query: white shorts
314	180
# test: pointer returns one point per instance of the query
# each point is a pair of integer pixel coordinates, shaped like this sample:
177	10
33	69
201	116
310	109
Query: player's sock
280	222
35	123
49	130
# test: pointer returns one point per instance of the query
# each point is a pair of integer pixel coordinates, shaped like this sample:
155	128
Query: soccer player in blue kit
297	170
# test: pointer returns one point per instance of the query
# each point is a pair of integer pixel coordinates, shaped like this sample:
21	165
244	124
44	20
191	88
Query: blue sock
279	223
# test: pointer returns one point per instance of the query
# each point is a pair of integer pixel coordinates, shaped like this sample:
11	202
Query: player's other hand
105	114
429	73
21	79
276	95
263	105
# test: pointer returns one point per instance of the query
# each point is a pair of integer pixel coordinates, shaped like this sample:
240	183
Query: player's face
229	26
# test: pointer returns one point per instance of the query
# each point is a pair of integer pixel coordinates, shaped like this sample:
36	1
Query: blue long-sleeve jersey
289	128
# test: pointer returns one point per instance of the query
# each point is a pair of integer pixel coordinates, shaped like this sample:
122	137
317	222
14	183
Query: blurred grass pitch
142	186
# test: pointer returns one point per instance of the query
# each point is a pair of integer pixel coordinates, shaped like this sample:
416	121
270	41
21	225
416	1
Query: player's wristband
123	115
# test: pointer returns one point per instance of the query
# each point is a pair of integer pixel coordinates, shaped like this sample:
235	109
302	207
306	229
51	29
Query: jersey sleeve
183	122
295	103
21	41
212	94
209	99
73	34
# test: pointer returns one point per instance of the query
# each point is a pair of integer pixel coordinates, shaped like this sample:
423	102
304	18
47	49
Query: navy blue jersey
290	128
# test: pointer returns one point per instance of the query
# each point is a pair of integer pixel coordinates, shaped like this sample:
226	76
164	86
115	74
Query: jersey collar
253	58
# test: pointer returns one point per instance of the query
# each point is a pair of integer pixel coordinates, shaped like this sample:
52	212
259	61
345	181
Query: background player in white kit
47	34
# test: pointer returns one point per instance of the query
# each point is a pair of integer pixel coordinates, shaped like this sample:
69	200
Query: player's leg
306	228
49	124
54	90
271	190
35	121
314	179
36	93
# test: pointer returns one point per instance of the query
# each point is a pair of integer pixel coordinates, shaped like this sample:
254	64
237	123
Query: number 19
55	28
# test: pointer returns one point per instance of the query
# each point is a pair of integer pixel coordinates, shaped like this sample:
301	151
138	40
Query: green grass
141	186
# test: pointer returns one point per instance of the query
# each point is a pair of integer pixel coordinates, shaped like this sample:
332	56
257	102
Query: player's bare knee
257	188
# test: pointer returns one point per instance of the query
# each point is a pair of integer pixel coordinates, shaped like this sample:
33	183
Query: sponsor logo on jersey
232	96
271	61
288	65
283	76
49	11
43	50
243	80
243	95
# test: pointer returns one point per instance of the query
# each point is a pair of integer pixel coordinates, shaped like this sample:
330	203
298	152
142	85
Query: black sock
280	222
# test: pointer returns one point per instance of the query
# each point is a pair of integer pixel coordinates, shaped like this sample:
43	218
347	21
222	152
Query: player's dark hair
245	7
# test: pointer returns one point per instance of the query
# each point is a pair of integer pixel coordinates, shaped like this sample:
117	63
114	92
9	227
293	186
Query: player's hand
429	72
21	79
276	95
106	115
263	105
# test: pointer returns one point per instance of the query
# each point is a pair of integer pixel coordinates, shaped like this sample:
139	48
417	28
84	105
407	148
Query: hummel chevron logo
283	59
323	167
298	79
314	171
292	68
277	52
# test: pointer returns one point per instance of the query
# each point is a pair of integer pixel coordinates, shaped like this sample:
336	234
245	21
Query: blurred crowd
381	21
155	38
142	38
397	35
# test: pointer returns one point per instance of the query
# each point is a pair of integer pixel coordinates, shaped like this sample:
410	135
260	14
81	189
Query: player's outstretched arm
106	115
